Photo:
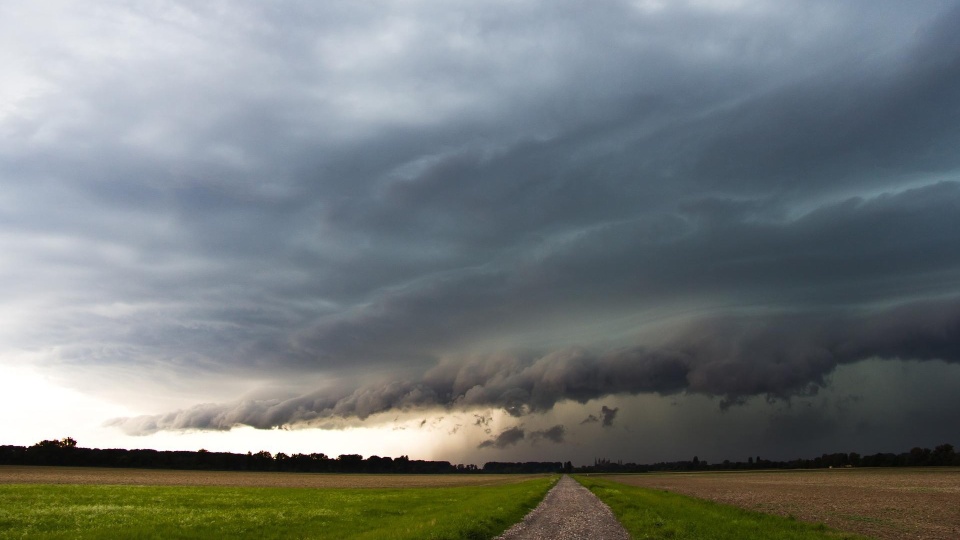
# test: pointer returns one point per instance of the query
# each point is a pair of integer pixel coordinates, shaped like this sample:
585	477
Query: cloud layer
300	212
735	358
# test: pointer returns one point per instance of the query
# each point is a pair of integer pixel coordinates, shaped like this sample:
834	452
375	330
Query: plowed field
14	474
882	503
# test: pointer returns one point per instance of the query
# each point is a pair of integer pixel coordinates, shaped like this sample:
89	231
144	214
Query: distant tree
350	463
66	442
919	456
53	452
261	461
943	455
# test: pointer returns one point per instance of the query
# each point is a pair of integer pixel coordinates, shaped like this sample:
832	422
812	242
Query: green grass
648	513
106	511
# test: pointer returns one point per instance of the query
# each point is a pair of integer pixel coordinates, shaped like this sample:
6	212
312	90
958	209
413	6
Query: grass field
168	511
654	514
62	502
886	503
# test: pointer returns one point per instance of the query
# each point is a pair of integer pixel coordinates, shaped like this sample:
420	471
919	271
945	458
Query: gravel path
568	512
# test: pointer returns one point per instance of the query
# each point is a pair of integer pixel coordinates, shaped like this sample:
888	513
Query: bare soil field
881	503
16	474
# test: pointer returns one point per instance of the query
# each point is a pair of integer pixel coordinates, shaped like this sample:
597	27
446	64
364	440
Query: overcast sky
482	231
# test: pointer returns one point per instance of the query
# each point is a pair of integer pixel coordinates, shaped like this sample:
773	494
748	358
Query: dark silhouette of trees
66	452
943	455
527	467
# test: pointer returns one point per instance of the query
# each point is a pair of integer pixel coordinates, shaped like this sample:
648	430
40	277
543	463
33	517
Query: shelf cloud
732	358
281	216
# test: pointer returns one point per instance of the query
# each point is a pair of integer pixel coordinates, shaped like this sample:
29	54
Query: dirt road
568	512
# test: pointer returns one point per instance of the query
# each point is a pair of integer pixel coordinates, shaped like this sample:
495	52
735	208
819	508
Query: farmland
108	503
649	513
16	474
881	503
67	502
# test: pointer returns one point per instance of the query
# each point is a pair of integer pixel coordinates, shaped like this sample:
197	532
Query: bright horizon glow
57	412
37	409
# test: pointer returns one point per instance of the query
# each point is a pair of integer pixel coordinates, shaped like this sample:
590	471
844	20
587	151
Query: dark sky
521	228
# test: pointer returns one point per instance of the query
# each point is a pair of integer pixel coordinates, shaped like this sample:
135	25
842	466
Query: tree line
942	455
65	452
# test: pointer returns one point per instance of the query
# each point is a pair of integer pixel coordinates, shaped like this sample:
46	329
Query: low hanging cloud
733	358
608	415
556	434
507	437
513	435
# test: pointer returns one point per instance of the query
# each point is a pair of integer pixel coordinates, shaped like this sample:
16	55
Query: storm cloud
507	437
514	435
278	216
733	358
608	414
556	434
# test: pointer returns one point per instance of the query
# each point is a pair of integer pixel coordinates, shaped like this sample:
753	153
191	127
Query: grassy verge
648	513
101	511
